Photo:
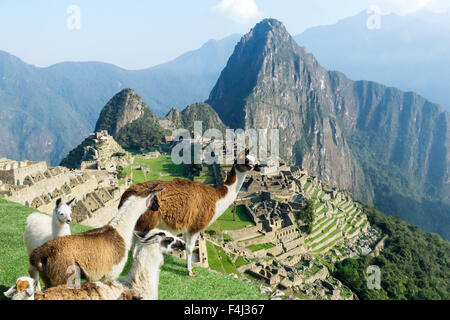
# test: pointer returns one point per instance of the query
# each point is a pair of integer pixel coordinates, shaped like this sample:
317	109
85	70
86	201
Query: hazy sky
137	34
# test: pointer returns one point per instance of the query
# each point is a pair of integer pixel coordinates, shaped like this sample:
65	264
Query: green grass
218	260
329	236
307	184
325	231
332	243
13	254
317	205
163	165
322	224
312	271
314	195
318	222
226	222
257	247
240	262
175	284
324	210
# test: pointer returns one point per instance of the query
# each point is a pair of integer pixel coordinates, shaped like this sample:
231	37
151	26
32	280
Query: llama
189	206
141	282
41	228
95	253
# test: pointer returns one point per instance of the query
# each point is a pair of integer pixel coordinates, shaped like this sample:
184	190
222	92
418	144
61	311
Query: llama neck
233	184
239	181
144	273
59	228
126	218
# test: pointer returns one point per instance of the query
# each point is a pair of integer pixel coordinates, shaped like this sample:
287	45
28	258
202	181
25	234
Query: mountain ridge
378	142
45	112
403	48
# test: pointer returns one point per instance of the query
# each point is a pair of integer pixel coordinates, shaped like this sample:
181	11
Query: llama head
246	162
63	211
167	242
23	289
152	202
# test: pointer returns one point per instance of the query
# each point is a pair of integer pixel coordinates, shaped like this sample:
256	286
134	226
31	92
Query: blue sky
136	34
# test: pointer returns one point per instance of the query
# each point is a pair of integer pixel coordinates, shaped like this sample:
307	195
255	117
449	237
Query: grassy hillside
159	169
230	221
174	281
13	254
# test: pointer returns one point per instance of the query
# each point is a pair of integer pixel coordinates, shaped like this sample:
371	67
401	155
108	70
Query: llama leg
190	240
134	246
34	273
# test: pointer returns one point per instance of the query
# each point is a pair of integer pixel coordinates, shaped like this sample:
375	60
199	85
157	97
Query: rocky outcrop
124	108
128	119
195	112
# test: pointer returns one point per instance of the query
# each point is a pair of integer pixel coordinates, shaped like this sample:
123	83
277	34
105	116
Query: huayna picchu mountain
135	127
387	147
130	121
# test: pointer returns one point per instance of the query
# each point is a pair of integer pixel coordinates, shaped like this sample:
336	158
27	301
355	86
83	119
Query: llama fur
99	253
141	282
41	228
190	206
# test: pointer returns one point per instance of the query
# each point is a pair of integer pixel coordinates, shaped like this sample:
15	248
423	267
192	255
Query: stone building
38	186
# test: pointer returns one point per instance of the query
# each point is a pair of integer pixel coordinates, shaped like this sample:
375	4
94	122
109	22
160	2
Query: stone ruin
35	185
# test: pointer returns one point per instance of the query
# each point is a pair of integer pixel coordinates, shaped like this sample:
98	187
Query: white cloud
240	11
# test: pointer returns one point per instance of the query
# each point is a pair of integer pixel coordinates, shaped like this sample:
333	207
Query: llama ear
70	202
58	202
152	186
10	293
140	235
151	199
154	193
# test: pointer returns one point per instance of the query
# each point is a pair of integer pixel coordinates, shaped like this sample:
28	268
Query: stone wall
14	172
103	214
244	233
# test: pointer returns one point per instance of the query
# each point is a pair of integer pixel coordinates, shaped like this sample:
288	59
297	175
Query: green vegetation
159	169
197	112
307	215
230	221
174	281
176	285
13	254
119	154
218	260
312	271
414	265
324	231
73	159
141	134
120	173
262	246
240	261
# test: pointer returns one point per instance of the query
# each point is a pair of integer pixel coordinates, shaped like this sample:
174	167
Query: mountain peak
271	23
267	52
266	30
125	107
127	91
